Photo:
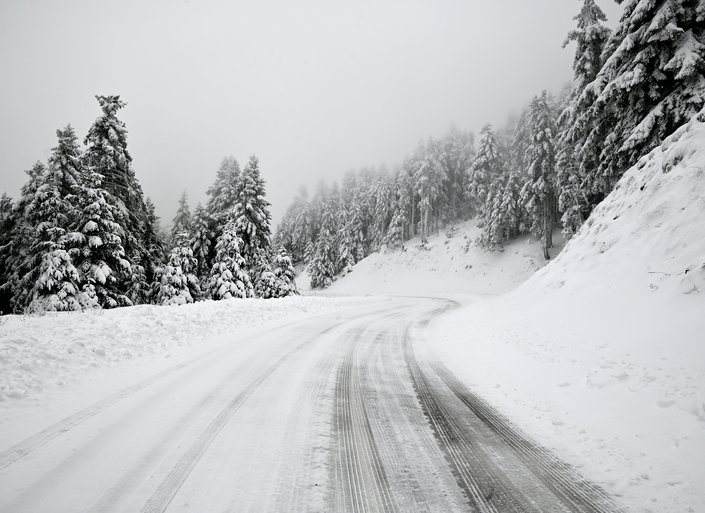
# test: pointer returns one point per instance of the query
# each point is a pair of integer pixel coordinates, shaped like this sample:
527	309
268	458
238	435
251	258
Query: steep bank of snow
451	262
40	353
601	354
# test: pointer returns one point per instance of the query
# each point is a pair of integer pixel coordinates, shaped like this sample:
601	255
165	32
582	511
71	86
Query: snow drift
601	354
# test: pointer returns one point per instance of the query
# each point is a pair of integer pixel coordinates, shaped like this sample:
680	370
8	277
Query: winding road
345	412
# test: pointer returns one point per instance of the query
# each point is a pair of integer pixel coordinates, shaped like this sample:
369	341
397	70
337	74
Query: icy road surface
344	412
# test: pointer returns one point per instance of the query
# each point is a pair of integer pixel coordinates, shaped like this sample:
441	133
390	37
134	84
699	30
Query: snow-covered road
340	412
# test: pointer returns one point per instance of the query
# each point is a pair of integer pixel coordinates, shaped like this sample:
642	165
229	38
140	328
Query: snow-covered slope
451	262
601	354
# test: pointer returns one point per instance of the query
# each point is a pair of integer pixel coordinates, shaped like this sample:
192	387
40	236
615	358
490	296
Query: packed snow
600	355
38	353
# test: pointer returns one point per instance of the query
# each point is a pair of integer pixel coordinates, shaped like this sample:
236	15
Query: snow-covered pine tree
178	285
182	222
351	237
55	285
322	267
294	232
18	260
383	210
228	277
538	195
252	218
501	212
222	195
487	166
5	207
457	156
153	257
96	246
283	270
651	83
428	183
590	37
277	281
107	154
6	229
202	243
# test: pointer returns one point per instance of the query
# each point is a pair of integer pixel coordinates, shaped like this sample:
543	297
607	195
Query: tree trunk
547	227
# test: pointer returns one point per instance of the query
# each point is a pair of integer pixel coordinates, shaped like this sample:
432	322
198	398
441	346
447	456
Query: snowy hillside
447	264
42	353
600	354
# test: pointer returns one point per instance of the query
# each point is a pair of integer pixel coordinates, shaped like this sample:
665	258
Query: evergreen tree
202	243
178	285
182	224
252	218
107	155
428	182
383	211
222	195
538	193
96	247
228	277
55	286
651	83
152	259
574	195
487	166
323	265
283	270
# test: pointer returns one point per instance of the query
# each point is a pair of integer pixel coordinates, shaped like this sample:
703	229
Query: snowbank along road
345	412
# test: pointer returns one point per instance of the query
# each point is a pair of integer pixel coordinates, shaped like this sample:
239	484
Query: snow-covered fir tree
177	283
107	154
279	280
222	195
252	219
574	195
538	195
96	246
55	285
295	231
428	183
228	277
284	271
323	265
652	82
153	256
203	242
182	222
487	166
19	263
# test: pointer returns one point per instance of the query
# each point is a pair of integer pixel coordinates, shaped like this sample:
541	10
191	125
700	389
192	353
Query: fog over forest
313	88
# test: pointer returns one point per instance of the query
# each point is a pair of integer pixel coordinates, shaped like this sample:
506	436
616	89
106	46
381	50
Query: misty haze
352	256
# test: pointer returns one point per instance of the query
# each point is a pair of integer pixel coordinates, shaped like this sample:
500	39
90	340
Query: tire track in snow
579	494
361	483
32	443
159	501
482	464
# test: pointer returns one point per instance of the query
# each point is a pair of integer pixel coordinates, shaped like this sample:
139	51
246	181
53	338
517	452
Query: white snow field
582	390
601	355
450	263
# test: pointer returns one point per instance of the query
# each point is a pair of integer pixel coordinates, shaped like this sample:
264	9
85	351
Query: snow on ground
451	262
601	355
45	352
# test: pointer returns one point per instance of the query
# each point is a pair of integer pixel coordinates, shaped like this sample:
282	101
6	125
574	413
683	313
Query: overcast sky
312	87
